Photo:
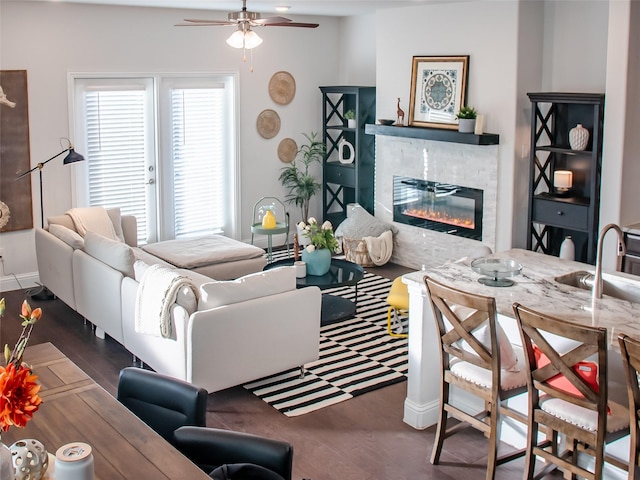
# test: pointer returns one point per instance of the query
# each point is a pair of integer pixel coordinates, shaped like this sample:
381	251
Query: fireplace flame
440	217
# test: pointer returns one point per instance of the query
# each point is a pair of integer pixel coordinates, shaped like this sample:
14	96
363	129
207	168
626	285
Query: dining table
75	408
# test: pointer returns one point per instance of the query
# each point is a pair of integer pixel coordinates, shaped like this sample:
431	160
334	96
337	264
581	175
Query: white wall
511	53
49	40
487	32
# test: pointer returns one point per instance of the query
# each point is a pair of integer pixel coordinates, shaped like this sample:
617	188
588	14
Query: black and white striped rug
356	356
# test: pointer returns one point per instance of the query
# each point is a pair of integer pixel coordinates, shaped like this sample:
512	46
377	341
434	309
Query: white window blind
162	149
115	152
197	133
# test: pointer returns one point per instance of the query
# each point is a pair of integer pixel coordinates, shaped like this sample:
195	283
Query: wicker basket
356	251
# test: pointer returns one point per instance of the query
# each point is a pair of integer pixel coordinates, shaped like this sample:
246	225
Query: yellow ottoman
398	300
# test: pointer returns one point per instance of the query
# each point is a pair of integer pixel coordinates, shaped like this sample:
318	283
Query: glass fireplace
446	208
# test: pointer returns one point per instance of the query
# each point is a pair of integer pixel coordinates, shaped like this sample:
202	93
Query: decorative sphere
30	459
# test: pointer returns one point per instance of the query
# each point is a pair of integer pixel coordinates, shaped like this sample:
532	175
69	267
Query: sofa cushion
117	255
116	219
255	285
64	220
68	236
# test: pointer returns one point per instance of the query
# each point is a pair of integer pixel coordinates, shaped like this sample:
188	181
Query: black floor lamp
43	293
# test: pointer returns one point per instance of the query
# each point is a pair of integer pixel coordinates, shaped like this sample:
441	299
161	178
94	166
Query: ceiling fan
244	37
244	20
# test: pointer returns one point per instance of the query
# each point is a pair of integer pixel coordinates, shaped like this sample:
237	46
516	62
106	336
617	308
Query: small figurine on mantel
400	120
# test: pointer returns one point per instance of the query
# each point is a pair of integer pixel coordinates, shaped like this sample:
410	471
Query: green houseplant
466	119
350	117
297	178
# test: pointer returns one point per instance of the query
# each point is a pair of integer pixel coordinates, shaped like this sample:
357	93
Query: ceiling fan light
251	39
236	40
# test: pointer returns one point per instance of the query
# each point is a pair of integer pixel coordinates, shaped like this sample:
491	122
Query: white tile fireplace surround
459	164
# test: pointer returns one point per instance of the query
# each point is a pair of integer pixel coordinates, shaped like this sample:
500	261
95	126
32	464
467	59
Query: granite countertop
535	287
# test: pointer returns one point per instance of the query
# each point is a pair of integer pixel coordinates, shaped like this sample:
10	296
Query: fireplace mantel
435	134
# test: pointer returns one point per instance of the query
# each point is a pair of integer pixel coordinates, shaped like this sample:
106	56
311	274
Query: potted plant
350	116
297	178
467	119
322	245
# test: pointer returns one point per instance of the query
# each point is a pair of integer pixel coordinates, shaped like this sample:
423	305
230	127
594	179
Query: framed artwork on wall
15	194
438	90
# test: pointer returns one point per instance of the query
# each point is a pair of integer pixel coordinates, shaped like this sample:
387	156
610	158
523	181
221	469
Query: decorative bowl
497	271
384	121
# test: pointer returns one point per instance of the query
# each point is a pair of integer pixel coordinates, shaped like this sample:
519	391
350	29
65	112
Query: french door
162	148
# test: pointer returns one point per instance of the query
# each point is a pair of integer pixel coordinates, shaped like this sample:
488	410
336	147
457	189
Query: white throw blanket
95	219
156	295
380	248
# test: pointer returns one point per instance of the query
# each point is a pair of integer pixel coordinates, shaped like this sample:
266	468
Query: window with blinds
160	148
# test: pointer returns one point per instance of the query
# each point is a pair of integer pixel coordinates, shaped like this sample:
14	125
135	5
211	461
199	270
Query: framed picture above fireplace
438	90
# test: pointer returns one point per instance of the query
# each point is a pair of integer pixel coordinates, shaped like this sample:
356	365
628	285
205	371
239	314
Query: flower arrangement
19	398
321	236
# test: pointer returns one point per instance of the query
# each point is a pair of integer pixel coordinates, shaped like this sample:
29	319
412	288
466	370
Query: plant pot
351	123
318	262
466	125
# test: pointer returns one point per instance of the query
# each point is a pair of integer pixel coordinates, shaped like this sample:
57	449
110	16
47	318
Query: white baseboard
24	280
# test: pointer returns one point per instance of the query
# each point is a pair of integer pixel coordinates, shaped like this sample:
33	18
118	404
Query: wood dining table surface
76	409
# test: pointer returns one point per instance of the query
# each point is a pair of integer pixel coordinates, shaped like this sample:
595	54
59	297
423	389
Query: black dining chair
162	402
211	448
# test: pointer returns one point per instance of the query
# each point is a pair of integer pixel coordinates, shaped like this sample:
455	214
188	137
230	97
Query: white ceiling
341	8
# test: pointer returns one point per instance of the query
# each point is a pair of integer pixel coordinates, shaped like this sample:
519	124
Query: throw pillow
588	371
69	237
255	285
508	357
116	219
360	224
117	255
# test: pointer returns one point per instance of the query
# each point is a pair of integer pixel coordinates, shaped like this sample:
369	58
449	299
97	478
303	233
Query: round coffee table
341	274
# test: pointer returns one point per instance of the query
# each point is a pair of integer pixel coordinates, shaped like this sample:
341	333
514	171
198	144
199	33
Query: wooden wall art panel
16	212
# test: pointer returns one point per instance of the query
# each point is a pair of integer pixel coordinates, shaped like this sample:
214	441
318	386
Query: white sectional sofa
224	333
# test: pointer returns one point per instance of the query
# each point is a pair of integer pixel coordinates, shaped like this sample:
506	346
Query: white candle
74	461
479	130
563	179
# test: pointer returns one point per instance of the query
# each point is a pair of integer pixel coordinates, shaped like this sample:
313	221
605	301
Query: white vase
351	123
567	249
578	137
6	463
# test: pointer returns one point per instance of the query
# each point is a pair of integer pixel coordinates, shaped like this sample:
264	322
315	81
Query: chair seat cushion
482	376
617	419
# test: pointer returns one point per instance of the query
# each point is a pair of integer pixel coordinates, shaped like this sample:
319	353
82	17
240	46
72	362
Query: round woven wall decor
287	150
268	123
282	88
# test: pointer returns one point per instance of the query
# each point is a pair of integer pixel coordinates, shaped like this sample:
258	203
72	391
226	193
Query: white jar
567	249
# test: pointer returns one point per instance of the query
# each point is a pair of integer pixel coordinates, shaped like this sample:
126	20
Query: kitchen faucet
622	250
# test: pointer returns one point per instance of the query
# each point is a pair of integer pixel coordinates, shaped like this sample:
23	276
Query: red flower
19	398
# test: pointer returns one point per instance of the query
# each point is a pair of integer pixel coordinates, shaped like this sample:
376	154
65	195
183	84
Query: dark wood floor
360	439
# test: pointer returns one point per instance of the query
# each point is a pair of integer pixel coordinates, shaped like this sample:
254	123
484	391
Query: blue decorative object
318	262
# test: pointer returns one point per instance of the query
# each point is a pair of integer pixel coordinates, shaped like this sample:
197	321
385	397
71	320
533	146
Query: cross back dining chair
630	349
568	395
473	353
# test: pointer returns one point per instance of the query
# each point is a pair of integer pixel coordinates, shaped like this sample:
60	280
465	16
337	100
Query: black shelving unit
553	215
345	183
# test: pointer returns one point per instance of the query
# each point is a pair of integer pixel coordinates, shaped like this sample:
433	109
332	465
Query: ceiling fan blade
270	20
292	24
207	22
